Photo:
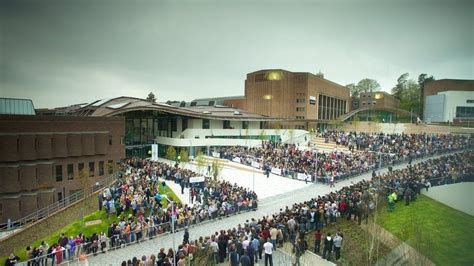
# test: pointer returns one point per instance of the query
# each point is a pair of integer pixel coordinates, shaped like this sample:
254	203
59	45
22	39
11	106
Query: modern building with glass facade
448	100
183	125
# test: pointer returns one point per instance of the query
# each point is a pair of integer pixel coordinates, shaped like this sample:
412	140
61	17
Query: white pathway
276	199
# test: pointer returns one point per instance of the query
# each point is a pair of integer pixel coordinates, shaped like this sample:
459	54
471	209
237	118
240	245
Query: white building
447	106
187	126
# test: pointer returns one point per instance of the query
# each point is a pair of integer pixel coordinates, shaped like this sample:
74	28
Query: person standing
317	241
245	260
233	256
337	245
328	242
268	247
186	236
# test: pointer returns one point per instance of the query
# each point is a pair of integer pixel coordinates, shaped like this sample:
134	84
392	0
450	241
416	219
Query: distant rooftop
12	106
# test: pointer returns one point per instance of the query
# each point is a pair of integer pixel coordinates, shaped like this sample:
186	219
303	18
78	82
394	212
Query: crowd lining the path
368	151
256	239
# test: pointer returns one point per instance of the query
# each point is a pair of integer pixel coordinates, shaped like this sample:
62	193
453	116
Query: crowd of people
137	198
256	239
368	151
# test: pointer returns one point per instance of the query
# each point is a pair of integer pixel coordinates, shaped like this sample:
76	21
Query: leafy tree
216	168
200	161
410	99
367	85
354	90
183	156
151	97
262	135
401	86
171	153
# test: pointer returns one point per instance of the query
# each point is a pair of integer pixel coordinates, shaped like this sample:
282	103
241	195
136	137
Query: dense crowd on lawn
137	194
368	152
255	240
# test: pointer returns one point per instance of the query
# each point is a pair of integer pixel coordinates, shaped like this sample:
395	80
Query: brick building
43	157
379	99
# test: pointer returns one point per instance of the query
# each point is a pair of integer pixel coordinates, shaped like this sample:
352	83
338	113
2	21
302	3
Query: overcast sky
70	51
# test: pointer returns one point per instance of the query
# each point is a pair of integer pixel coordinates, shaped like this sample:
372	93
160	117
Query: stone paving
267	206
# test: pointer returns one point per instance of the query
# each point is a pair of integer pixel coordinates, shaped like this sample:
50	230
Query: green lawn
78	226
355	246
437	231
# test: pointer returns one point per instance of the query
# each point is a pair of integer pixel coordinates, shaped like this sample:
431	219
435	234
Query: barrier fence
384	160
70	255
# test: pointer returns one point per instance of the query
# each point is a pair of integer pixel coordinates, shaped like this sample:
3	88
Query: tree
368	85
183	156
151	97
170	153
354	90
401	86
422	79
216	168
200	161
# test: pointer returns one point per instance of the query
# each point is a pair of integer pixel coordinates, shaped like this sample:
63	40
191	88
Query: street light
173	218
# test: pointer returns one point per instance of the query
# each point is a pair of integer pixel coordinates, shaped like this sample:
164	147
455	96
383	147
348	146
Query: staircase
319	144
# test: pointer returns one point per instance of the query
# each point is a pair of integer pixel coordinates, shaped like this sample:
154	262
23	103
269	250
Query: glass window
110	166
245	124
80	167
174	125
59	173
205	123
101	168
184	124
70	171
91	169
226	124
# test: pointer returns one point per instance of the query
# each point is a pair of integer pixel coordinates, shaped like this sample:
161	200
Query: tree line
408	91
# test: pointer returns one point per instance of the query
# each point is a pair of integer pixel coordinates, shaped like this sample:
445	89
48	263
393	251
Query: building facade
295	95
448	100
46	158
449	106
378	99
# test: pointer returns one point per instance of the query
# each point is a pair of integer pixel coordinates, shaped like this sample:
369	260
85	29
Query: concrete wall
457	196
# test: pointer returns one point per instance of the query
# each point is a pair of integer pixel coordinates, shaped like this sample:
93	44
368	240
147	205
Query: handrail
58	205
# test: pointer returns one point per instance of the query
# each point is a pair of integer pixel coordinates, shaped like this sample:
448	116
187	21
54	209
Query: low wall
457	196
47	226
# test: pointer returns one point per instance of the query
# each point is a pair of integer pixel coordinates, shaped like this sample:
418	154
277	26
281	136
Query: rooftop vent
237	113
206	112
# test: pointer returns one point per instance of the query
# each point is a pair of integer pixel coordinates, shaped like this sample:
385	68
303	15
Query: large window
226	124
110	166
91	169
80	167
101	168
70	171
245	124
464	111
205	124
184	124
59	173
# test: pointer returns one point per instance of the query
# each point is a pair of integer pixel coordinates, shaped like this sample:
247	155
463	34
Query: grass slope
437	231
73	229
355	246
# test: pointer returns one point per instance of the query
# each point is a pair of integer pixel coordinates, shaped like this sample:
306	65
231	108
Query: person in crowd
328	243
337	242
268	247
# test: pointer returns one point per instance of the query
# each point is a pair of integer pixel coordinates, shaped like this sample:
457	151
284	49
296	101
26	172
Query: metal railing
70	255
56	206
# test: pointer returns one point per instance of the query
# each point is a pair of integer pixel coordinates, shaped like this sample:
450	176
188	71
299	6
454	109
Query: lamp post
173	218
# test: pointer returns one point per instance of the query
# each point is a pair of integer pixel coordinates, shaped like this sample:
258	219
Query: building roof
240	97
12	106
123	104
